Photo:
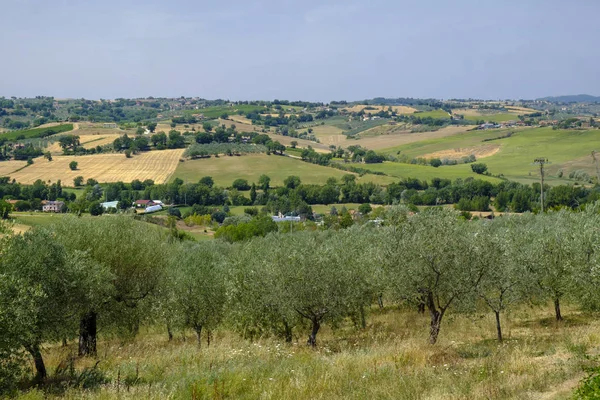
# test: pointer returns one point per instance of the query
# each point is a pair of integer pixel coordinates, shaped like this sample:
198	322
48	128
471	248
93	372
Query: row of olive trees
116	274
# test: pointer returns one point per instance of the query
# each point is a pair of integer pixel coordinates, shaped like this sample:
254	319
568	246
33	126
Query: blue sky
310	50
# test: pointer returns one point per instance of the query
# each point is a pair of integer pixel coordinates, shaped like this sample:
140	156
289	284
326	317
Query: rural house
144	203
53	206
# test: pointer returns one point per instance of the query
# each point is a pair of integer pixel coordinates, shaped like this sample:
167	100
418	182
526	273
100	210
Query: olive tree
321	277
133	252
430	259
500	252
259	301
62	283
551	243
197	274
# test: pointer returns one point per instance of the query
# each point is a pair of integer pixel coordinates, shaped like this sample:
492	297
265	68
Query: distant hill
576	98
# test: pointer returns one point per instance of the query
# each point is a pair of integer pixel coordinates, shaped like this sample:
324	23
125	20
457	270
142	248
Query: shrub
174	212
479	168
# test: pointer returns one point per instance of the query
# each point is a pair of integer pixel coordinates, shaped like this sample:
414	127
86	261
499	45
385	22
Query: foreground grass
388	359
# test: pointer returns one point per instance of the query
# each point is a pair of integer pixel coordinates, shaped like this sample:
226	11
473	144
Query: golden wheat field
155	165
8	167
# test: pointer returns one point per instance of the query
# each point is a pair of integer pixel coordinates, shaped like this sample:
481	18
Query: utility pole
594	152
541	161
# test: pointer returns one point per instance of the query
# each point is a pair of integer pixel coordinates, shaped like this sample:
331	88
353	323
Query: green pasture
35	218
566	149
36	132
398	171
217	111
432	114
224	170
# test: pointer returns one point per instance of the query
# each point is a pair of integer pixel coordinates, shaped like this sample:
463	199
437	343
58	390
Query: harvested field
8	167
385	130
397	139
398	109
239	119
520	110
100	141
155	165
483	151
329	134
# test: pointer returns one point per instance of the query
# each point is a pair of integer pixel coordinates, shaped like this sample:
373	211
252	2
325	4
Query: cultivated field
433	114
396	138
485	150
398	109
155	165
302	143
10	166
224	170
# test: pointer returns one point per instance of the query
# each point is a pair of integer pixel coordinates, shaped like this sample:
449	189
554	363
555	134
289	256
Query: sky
317	50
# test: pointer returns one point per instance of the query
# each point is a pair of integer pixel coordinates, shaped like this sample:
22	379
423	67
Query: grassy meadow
432	114
390	358
36	132
224	170
426	172
566	149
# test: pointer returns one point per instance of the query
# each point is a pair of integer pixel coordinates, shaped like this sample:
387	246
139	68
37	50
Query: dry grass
155	165
240	126
398	109
482	151
98	141
520	110
8	167
302	143
389	359
385	141
240	119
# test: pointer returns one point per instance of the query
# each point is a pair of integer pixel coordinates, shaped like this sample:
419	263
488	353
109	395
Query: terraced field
155	165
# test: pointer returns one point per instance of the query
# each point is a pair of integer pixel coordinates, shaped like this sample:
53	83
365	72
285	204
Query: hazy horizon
310	50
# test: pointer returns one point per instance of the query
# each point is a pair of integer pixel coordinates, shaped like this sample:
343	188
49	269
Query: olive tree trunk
557	309
38	361
312	338
198	330
498	326
88	334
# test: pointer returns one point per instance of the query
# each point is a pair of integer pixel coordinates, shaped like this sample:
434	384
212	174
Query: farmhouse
144	203
109	125
53	206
